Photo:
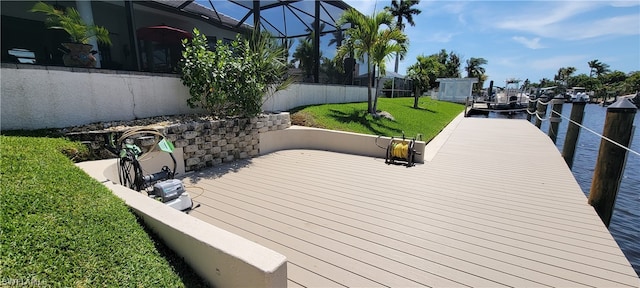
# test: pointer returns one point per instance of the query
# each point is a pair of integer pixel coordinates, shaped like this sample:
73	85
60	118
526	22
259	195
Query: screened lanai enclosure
146	35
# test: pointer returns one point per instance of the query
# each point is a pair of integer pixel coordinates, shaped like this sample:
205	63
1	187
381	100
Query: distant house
455	89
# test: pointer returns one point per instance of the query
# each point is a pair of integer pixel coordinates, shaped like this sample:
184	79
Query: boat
576	94
509	99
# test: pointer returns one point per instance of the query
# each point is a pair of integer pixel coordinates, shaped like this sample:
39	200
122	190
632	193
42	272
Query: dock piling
541	111
573	132
554	118
531	108
618	126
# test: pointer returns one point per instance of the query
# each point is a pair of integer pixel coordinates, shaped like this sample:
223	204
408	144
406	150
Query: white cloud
462	19
440	37
569	20
625	3
533	43
620	25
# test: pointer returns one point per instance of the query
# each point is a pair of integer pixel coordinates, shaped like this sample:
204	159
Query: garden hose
142	130
400	149
130	156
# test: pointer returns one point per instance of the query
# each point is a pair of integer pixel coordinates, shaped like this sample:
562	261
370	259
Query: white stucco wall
35	97
298	137
302	94
53	97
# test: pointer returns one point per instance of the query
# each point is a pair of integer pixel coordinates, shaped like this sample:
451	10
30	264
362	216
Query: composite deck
495	206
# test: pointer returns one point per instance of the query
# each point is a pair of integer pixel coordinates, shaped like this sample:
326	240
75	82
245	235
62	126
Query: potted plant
78	52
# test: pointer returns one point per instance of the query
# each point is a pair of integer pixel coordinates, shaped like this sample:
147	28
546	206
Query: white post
86	12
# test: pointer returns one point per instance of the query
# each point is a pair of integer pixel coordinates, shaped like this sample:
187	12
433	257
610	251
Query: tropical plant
422	72
338	37
304	56
475	70
403	9
451	62
365	39
389	41
583	80
235	79
71	22
563	75
332	70
598	68
452	66
633	82
613	77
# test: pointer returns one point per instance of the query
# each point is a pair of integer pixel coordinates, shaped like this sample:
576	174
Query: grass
60	227
428	120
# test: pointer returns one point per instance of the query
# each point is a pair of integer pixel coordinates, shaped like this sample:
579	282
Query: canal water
625	222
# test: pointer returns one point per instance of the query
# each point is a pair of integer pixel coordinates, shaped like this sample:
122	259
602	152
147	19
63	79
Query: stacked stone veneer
205	142
214	142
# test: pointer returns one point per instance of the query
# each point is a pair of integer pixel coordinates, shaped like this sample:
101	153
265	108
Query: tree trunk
369	106
416	97
395	69
375	97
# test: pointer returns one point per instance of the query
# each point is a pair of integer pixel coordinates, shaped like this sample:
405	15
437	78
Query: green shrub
233	79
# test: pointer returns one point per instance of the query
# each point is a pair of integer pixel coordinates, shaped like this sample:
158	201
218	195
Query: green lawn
429	119
60	227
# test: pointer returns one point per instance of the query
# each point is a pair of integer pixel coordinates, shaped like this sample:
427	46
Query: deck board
496	206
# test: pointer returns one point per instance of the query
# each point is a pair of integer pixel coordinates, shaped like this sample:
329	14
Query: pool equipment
160	185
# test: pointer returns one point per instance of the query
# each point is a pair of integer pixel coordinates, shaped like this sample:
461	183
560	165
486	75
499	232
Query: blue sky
525	39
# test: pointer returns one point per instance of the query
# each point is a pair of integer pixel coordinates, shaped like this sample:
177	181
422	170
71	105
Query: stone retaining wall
204	142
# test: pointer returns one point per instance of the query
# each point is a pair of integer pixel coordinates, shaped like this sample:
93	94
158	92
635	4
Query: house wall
36	97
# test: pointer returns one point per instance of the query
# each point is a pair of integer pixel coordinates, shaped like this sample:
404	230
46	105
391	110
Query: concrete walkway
493	205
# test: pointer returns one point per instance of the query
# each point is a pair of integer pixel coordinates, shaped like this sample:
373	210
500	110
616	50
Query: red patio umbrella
162	34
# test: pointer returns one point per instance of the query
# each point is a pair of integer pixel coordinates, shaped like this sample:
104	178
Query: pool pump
160	185
172	193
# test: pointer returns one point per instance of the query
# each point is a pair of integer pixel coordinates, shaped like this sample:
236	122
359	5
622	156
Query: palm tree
338	36
475	70
592	66
389	41
403	10
365	39
564	73
304	55
422	72
312	33
597	67
602	69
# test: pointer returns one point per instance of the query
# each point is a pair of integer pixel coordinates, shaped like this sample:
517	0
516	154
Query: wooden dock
495	205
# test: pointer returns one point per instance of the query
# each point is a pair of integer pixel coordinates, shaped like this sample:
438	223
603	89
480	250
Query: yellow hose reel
401	150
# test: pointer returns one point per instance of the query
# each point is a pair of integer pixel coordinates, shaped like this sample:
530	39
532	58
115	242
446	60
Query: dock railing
613	151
